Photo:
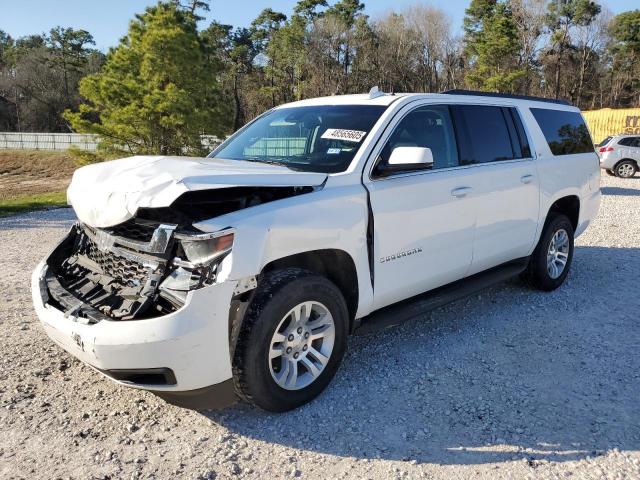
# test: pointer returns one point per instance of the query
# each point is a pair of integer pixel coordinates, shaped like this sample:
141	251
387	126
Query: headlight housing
200	250
196	264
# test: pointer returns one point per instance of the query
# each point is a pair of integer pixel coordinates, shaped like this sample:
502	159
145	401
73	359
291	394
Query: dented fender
301	224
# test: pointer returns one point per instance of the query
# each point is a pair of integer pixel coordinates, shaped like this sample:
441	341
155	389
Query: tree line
172	79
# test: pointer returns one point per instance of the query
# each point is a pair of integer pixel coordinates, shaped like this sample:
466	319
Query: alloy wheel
558	253
626	170
301	345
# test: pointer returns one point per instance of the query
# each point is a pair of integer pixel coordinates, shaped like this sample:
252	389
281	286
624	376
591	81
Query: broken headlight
200	250
196	265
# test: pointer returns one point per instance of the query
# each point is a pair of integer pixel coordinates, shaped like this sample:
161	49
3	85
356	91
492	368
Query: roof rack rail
505	95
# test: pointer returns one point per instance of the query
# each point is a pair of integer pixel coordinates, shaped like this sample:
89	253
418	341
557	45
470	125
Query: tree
625	53
437	47
561	18
6	43
265	25
529	17
68	48
492	46
156	93
307	9
192	6
336	30
625	28
39	76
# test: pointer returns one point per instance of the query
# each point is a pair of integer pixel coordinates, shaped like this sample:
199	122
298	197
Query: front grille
115	282
115	266
134	230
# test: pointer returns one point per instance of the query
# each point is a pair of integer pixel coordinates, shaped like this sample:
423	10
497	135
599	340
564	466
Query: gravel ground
511	383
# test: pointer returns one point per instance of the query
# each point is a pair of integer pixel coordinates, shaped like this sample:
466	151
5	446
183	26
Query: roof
360	99
476	93
462	96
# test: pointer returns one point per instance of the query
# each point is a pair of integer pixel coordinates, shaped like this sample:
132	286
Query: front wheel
550	262
610	173
626	169
291	341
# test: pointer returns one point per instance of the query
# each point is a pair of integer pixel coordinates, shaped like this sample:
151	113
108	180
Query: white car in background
242	274
620	155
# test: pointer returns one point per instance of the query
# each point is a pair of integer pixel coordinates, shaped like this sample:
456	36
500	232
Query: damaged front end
146	266
96	274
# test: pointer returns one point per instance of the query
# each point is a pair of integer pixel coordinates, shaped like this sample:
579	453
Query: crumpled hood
109	193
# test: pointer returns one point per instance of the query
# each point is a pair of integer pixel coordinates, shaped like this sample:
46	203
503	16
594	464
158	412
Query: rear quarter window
565	132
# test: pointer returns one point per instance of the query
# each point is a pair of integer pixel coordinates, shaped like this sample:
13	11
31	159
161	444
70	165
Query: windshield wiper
279	163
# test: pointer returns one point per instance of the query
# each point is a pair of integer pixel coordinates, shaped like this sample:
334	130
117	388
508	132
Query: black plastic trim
212	397
425	302
143	376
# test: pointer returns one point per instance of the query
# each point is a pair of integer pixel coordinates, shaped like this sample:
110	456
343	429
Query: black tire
278	292
625	169
536	275
610	172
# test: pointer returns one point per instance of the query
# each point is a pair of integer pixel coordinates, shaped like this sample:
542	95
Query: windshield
316	139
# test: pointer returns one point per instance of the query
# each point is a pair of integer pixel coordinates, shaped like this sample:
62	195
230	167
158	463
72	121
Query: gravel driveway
511	383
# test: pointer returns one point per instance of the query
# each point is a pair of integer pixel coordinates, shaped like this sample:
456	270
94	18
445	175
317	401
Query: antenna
375	93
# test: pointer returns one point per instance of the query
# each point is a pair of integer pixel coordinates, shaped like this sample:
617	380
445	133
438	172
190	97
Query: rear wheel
291	341
626	169
610	172
550	262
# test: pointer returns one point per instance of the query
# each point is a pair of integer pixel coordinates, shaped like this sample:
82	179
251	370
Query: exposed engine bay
146	266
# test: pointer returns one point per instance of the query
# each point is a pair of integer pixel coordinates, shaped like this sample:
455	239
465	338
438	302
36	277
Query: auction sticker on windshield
346	135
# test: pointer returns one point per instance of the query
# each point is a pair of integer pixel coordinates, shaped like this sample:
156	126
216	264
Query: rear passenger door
493	141
635	148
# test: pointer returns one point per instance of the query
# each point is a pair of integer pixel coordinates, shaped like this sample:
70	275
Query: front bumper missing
192	342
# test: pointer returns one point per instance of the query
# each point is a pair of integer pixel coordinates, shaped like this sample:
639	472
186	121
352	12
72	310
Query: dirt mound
29	172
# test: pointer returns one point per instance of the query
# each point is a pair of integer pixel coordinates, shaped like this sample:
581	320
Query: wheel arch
334	264
627	160
568	205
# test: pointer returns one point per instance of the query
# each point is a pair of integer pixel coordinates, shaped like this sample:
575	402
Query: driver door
424	219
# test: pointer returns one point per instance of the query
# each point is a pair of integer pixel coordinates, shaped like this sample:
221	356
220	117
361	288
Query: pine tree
156	93
492	46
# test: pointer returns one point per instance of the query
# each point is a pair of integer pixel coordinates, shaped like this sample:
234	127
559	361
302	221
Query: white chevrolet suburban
242	274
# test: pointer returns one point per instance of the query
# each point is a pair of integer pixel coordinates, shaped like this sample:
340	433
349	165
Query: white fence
62	141
47	141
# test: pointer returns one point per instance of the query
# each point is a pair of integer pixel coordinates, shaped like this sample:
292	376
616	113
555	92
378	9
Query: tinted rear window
483	134
604	142
565	132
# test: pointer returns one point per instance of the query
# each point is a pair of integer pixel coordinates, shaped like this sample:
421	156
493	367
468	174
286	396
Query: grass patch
27	203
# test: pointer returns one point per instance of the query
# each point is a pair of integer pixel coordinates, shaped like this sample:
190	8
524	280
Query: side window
630	142
565	132
426	127
484	134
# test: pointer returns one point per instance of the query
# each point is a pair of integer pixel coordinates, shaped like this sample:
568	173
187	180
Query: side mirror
411	157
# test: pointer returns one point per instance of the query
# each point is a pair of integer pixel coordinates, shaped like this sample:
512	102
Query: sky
108	20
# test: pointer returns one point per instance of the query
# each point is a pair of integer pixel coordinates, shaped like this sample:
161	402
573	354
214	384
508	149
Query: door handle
461	191
526	178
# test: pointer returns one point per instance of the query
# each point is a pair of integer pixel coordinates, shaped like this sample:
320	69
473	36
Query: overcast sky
107	20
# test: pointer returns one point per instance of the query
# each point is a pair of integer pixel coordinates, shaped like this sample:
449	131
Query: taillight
606	149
